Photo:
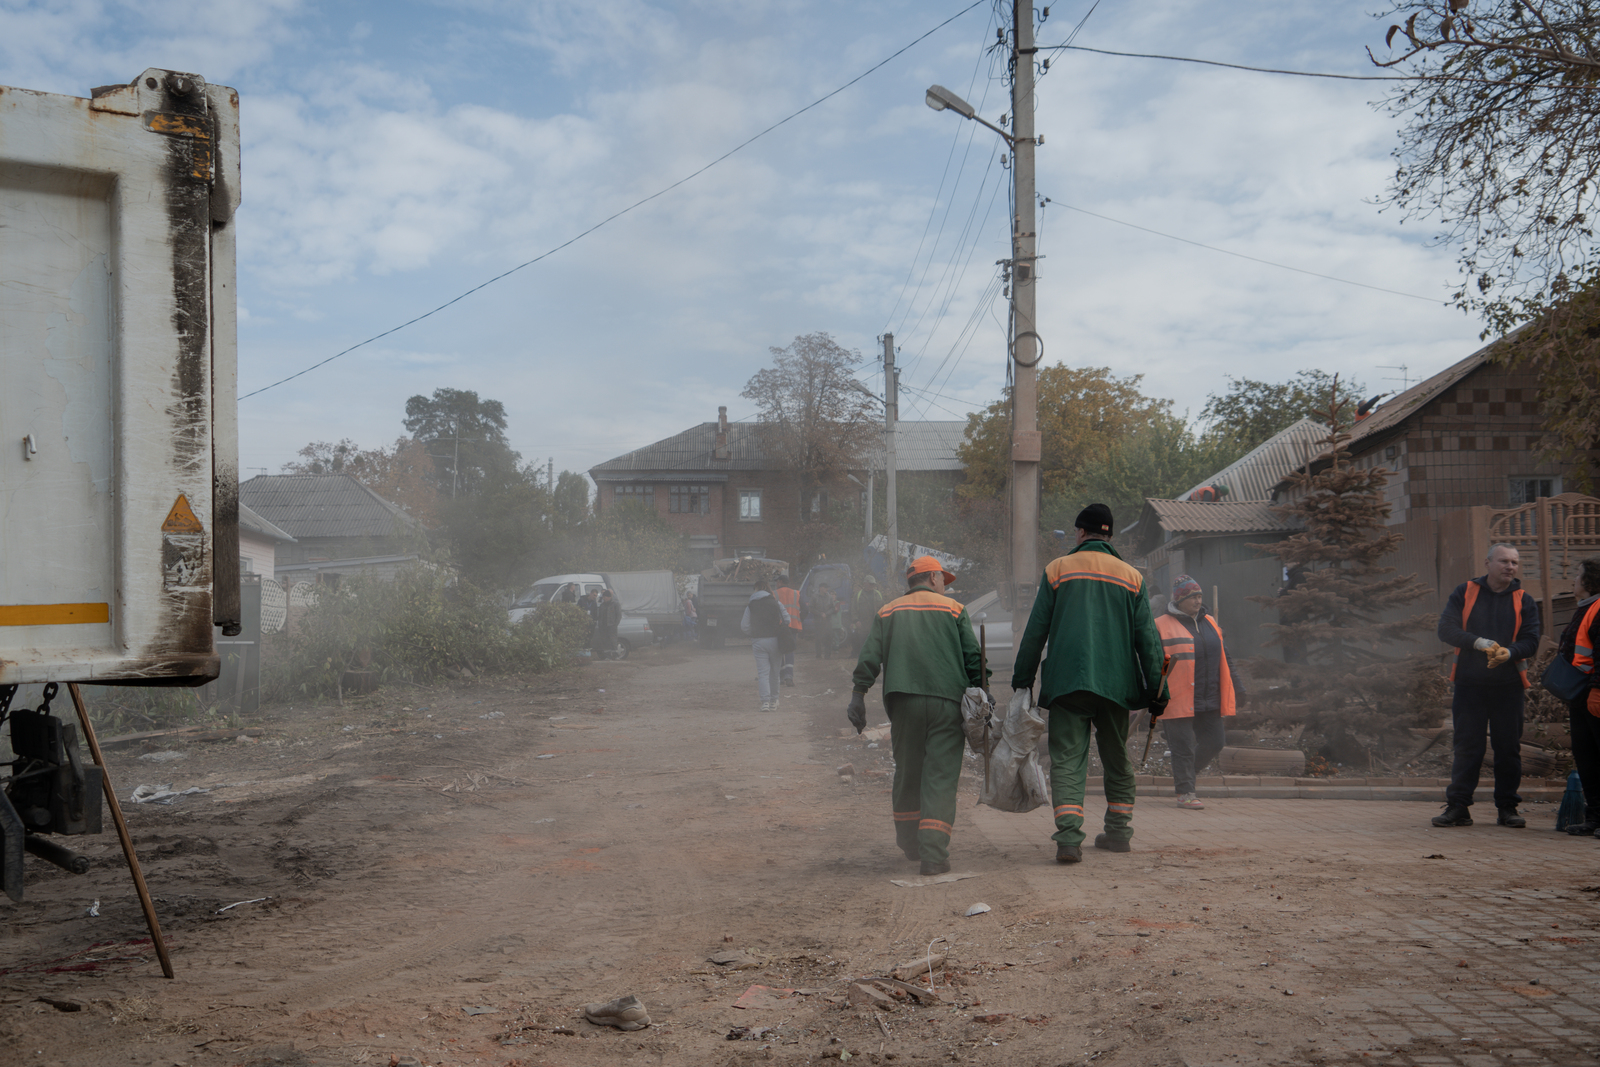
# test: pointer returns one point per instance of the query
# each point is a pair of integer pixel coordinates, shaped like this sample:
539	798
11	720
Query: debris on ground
624	1013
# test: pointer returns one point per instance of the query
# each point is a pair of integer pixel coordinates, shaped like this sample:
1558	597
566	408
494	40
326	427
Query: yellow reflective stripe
53	614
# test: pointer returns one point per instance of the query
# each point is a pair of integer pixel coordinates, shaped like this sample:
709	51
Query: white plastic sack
1018	769
978	719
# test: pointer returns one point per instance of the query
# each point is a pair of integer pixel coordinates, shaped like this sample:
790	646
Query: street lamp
939	98
1026	348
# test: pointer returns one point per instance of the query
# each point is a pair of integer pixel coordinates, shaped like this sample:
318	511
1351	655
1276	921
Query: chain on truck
119	545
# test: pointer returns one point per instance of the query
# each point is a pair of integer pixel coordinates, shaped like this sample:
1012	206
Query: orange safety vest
1583	655
790	599
1471	598
1178	644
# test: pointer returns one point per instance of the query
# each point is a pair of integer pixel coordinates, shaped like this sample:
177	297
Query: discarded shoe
1509	817
1190	801
1069	854
625	1013
1112	844
1453	815
1583	829
935	867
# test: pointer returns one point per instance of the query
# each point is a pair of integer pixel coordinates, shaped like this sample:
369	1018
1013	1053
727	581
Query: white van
633	632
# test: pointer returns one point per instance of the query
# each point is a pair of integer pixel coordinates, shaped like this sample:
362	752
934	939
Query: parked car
633	632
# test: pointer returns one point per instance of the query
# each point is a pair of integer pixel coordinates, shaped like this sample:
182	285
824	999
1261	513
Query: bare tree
813	420
1501	142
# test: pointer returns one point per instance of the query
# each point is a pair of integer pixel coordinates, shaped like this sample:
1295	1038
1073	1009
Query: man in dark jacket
607	617
1494	627
1105	657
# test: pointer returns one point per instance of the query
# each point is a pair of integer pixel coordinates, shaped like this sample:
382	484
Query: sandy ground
452	873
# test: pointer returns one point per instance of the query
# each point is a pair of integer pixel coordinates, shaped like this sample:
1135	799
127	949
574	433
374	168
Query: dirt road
452	873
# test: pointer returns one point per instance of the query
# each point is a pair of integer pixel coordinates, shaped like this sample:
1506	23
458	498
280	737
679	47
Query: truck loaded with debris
725	589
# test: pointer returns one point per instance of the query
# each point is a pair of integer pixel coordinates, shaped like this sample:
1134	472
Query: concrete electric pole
1026	349
891	415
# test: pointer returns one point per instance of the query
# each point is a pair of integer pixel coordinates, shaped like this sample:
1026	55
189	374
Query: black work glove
1241	698
857	711
1158	707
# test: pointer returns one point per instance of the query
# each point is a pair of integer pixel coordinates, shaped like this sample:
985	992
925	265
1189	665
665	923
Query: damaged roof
323	505
1253	475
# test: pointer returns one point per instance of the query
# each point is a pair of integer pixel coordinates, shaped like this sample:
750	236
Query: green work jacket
1092	610
924	644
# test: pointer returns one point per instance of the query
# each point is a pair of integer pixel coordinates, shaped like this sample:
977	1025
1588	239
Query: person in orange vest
1577	647
1204	688
789	597
1494	626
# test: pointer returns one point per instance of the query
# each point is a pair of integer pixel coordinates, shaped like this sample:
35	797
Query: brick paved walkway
1398	942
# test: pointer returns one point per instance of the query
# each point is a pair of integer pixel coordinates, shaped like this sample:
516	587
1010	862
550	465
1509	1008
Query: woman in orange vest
790	599
1583	715
1204	689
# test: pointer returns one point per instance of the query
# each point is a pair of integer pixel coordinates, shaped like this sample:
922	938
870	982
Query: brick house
713	484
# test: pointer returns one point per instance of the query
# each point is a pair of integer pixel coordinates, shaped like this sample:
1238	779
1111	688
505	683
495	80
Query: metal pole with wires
891	415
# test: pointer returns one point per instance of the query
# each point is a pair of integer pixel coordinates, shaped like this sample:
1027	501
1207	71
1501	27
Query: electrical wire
631	207
1438	77
1241	255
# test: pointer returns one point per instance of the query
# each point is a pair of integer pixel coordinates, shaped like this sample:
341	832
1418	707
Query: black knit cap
1095	519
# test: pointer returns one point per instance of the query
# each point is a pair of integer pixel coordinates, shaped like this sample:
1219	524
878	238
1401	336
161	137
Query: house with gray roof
330	518
715	485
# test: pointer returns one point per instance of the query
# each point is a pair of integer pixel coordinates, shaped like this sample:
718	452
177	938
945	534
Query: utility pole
891	415
1026	350
550	474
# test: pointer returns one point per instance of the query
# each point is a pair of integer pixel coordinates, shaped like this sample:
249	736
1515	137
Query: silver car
633	632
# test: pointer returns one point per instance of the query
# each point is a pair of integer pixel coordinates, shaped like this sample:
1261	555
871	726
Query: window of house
690	500
819	501
644	494
749	505
1528	490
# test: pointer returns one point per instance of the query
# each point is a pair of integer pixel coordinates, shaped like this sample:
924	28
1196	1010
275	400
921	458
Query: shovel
1151	736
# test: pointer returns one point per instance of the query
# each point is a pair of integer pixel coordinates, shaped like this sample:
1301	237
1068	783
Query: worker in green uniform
924	645
1105	658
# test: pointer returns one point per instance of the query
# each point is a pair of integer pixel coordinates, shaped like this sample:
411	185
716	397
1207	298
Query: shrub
422	624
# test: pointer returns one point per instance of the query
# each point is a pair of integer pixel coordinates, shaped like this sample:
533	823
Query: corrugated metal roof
919	446
1223	517
1253	475
1162	520
256	524
323	505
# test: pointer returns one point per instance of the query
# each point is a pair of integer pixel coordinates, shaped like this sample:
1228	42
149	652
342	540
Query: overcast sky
398	154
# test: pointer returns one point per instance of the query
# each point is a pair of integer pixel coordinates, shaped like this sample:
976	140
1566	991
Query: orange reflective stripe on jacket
1093	567
1470	598
790	599
1583	640
1177	644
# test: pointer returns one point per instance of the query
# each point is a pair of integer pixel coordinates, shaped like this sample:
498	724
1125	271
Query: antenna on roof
1404	379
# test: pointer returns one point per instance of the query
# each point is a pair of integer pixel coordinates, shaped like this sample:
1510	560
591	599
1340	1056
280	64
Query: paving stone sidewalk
1402	943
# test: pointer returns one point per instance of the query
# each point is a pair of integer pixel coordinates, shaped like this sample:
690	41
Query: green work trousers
925	734
1071	717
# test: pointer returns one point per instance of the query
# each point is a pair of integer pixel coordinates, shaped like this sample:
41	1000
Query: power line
1241	255
1277	70
617	215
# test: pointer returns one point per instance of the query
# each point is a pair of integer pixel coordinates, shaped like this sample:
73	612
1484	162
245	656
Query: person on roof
925	648
1105	658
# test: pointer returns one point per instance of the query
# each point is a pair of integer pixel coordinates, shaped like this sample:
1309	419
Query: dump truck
119	475
725	589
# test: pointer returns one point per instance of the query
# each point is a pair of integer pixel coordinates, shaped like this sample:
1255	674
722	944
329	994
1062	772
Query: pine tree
1338	623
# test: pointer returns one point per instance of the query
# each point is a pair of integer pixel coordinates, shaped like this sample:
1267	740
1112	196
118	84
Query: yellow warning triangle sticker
181	518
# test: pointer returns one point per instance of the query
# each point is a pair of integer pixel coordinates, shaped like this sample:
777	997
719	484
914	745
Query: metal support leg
122	832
